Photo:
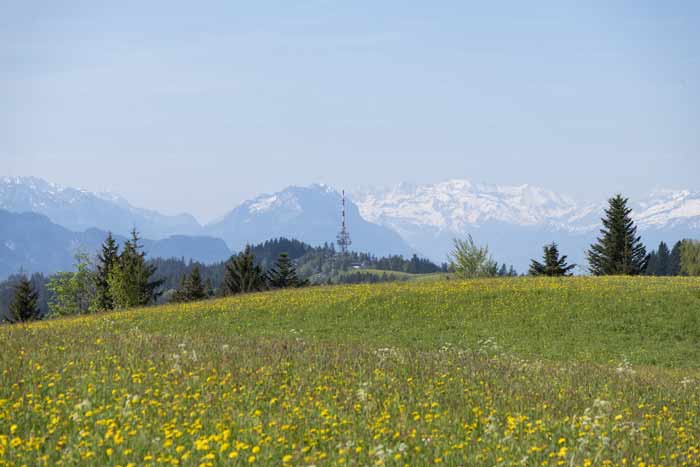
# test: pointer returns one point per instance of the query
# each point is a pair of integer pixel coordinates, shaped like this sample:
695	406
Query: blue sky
194	106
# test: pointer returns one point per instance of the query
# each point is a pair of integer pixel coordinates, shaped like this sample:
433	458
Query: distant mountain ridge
32	243
311	214
514	220
77	209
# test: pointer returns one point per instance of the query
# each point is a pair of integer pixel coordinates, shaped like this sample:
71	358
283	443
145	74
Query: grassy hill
576	372
399	275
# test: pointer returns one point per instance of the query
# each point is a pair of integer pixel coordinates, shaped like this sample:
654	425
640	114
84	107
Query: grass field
404	276
502	372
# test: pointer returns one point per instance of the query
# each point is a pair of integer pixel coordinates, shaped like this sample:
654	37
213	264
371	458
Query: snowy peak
311	214
455	204
669	208
78	209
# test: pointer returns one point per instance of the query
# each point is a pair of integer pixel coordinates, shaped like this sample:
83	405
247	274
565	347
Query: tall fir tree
131	280
674	260
652	261
618	251
242	274
191	287
106	261
24	305
552	264
195	286
283	274
663	255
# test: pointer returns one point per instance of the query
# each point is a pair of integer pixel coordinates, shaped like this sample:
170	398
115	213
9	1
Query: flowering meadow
497	372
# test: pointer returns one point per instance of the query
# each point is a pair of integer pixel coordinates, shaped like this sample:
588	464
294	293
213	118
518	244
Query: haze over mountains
515	221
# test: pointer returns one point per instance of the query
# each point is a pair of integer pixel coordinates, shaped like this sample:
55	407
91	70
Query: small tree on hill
24	306
663	255
243	275
552	264
283	274
674	260
191	287
469	260
106	261
130	280
618	250
74	293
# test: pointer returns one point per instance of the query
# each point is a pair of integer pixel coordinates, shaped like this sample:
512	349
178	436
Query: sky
197	106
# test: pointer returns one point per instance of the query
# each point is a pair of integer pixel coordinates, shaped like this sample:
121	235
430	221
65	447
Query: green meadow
508	372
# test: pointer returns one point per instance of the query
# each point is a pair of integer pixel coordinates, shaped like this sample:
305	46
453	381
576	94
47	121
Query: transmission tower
343	238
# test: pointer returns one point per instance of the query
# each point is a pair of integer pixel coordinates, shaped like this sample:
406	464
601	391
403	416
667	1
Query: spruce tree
284	274
618	250
242	274
191	287
553	265
24	306
195	287
106	260
662	259
131	281
674	260
652	261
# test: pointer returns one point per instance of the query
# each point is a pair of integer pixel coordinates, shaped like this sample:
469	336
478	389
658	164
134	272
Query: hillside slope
579	372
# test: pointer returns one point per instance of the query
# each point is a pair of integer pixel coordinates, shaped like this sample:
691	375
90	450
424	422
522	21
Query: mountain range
515	221
32	243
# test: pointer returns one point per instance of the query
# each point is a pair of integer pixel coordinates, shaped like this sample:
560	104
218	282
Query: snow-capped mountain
514	219
458	204
311	214
78	210
669	209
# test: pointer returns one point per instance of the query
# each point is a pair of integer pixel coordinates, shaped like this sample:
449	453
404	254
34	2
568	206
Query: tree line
121	277
617	251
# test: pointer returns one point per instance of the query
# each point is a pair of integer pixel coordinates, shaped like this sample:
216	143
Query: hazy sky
194	106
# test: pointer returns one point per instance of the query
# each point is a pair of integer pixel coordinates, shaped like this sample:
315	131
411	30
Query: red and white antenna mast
343	238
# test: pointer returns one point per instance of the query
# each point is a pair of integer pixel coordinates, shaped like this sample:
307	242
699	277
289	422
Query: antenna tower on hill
343	238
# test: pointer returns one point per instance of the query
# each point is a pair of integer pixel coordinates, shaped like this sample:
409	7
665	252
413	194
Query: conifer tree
663	255
24	306
195	286
191	287
242	274
106	261
553	265
284	274
618	250
674	260
130	281
652	261
503	271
